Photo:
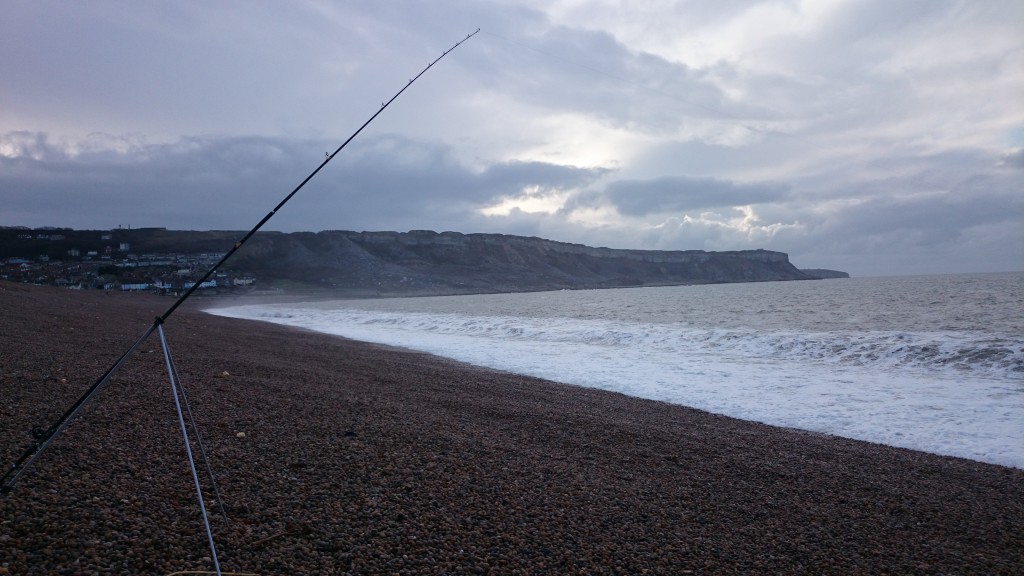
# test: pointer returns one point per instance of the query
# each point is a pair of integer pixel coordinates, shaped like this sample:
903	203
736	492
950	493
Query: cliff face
426	262
823	274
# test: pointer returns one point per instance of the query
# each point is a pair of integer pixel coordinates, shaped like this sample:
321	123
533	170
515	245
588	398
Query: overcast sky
877	137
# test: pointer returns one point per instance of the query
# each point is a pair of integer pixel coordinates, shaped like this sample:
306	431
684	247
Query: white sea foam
952	392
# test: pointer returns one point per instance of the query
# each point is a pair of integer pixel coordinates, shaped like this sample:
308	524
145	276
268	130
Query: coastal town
99	260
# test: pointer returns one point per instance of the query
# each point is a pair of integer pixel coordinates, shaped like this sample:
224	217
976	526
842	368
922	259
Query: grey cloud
590	72
200	68
679	194
419	182
1013	159
935	219
974	224
384	182
498	177
194	183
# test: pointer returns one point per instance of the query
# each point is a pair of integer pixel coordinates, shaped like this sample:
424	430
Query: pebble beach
340	457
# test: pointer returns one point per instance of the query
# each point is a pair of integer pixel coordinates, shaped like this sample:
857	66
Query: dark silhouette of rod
42	438
330	157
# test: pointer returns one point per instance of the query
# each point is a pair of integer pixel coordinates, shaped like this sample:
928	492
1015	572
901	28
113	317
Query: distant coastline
363	264
823	274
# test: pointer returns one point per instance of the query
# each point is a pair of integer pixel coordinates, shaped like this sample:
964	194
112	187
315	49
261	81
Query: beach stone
454	469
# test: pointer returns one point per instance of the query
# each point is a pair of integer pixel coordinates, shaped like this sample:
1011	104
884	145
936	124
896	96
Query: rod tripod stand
178	391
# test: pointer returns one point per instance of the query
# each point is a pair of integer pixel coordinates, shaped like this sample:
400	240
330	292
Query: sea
931	363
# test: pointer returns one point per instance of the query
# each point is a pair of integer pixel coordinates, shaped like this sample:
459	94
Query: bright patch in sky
532	200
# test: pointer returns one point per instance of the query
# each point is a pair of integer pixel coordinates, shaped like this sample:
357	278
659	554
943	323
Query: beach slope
358	458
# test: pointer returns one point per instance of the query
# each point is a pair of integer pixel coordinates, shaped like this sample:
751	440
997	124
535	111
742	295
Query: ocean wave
935	351
941	351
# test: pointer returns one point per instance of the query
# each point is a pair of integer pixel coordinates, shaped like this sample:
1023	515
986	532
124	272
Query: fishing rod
41	438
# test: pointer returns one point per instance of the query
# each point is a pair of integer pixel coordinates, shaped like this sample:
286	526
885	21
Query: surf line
42	438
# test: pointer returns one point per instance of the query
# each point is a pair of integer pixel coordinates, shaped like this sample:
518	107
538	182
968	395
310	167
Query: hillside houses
165	275
98	261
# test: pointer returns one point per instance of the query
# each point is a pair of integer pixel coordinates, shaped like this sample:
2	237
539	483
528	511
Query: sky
878	137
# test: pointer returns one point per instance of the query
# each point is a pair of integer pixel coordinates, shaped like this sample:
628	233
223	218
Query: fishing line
43	438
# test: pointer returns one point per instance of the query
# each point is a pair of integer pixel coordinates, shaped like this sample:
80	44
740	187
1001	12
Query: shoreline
364	458
795	398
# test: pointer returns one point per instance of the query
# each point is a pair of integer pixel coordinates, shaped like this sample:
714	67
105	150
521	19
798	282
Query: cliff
822	274
426	262
420	262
